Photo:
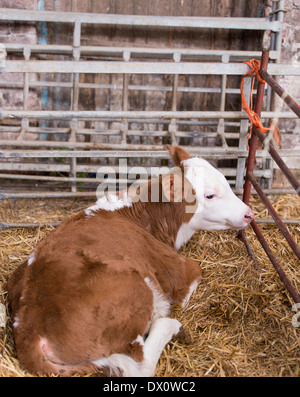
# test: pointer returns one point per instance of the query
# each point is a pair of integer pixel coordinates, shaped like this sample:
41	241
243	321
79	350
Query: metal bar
125	92
271	221
201	68
92	131
253	143
75	97
7	84
25	121
281	164
242	236
8	225
244	125
174	93
274	214
102	150
4	196
275	263
281	92
7	14
236	191
172	127
120	67
10	84
53	178
225	171
67	115
135	51
124	124
193	122
221	128
115	131
278	34
98	150
25	91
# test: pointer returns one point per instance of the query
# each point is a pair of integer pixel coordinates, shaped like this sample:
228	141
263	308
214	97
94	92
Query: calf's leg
161	332
191	277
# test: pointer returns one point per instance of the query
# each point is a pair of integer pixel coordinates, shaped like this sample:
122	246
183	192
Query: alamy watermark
159	184
296	317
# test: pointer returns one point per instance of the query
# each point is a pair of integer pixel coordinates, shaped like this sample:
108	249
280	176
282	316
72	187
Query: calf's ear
179	154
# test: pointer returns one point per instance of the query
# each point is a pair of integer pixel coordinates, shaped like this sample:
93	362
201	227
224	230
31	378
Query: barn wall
17	33
174	38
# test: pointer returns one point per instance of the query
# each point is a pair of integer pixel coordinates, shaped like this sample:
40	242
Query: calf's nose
249	215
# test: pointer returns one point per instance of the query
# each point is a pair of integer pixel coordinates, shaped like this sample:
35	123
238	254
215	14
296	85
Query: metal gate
47	152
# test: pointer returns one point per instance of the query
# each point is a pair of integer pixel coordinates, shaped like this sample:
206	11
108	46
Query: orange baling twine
253	117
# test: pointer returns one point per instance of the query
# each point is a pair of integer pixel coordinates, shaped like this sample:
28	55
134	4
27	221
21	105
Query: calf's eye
210	196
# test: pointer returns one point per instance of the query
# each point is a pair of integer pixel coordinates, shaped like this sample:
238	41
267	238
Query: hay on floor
240	319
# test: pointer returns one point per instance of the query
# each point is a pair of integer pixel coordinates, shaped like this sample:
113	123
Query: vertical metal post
75	98
278	35
124	124
244	126
172	128
254	139
76	57
221	128
252	150
25	121
251	180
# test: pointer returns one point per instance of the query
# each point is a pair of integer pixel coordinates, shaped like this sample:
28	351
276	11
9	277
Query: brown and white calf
96	293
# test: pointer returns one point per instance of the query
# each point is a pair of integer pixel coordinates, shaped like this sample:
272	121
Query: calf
95	294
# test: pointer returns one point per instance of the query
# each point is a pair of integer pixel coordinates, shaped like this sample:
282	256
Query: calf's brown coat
84	295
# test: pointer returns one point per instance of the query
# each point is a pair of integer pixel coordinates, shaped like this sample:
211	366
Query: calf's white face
218	208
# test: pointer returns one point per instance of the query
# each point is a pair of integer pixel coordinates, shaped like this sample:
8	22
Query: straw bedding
239	319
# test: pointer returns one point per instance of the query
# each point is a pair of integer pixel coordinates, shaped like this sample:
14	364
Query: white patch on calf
161	306
31	258
192	288
184	234
139	339
120	365
161	332
109	203
16	322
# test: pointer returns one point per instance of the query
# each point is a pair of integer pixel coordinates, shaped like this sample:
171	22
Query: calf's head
217	207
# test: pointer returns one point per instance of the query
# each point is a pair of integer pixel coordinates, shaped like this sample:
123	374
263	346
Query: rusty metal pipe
251	180
274	215
253	143
275	263
5	225
281	92
242	236
281	164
